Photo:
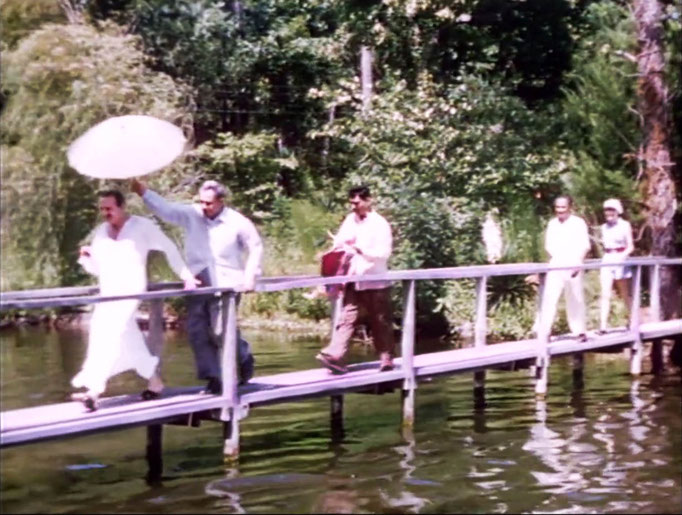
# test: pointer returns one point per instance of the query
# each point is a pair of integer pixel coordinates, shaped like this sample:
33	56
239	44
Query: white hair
214	186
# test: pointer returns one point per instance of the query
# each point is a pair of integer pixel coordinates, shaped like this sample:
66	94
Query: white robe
115	342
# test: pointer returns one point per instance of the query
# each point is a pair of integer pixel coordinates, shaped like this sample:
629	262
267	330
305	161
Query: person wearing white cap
616	238
567	242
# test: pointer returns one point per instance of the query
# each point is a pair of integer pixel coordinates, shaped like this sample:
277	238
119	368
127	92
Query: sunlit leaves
59	81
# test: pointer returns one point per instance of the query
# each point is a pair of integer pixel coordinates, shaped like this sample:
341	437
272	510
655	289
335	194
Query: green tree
438	159
60	80
20	17
601	123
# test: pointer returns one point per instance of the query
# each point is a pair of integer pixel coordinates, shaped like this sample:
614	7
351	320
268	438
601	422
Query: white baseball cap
614	203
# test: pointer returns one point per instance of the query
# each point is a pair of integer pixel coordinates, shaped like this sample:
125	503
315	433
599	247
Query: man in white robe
118	257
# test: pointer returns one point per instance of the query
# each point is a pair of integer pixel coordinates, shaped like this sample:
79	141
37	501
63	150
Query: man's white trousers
556	282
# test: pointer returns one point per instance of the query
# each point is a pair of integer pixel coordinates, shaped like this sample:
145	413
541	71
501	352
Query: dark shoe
88	401
150	395
333	365
214	386
582	337
386	363
246	369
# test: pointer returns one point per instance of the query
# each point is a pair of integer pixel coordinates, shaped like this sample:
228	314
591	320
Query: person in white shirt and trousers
216	239
567	242
366	237
616	238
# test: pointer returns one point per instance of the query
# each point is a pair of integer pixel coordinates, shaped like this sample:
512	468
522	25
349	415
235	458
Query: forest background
450	111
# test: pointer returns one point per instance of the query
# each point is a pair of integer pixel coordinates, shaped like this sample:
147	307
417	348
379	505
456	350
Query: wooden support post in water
407	352
336	417
655	292
578	364
230	411
542	361
542	372
636	352
480	332
154	453
538	308
657	362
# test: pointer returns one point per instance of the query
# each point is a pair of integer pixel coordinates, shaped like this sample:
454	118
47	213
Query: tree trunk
658	185
366	58
72	10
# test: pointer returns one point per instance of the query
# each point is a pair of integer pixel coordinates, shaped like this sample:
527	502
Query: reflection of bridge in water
186	406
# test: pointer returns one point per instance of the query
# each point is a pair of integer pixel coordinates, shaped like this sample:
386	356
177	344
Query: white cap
614	203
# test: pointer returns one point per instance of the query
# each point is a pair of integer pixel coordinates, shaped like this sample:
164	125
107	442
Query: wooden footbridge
187	406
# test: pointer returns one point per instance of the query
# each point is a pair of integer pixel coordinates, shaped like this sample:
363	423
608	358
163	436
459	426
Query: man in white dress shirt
366	236
567	242
216	240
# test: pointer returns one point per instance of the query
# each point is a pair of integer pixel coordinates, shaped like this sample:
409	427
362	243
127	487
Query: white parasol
126	146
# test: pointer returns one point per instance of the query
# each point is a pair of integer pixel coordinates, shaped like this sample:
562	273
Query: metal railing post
636	352
407	352
230	396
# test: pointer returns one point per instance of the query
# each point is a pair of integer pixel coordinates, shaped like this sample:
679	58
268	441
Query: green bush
20	17
438	158
59	81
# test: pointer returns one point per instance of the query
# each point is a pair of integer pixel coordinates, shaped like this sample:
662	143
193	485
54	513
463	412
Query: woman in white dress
616	236
118	257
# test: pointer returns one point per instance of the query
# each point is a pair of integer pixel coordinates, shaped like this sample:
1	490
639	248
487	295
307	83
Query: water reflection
479	415
406	500
587	459
610	446
221	488
565	457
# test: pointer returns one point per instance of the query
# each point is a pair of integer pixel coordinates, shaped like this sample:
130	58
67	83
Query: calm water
615	446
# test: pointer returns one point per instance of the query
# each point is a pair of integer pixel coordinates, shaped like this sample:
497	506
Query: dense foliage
477	106
60	80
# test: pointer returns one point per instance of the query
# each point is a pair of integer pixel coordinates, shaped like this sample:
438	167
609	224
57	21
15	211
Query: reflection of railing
232	409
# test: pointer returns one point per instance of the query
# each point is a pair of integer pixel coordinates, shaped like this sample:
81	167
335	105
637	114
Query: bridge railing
60	297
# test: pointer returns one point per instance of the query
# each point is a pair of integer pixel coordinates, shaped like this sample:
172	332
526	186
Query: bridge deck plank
37	423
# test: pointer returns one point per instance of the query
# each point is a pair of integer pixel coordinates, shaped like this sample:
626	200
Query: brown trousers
376	306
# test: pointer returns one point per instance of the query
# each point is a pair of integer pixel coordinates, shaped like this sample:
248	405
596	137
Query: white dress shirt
616	236
372	235
567	242
218	244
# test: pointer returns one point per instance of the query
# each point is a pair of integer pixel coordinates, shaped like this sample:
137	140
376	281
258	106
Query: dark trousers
204	329
376	306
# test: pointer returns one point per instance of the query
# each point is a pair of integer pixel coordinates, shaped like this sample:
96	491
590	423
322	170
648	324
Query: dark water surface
614	446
